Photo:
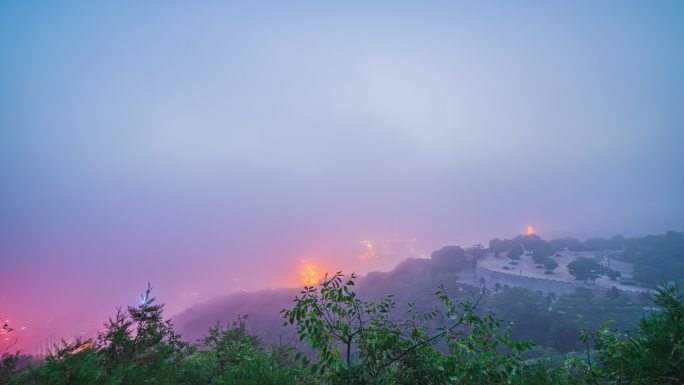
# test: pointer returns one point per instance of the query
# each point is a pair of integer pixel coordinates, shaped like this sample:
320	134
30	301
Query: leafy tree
497	245
613	274
359	342
561	244
450	259
584	269
655	355
71	363
529	242
336	323
656	258
230	355
139	347
613	293
538	248
550	264
515	252
8	361
527	310
477	251
541	252
487	355
603	244
139	344
594	311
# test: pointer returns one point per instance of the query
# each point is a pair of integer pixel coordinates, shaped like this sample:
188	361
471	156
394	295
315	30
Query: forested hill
435	329
656	258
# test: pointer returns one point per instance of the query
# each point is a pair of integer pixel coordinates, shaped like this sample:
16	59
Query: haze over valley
229	154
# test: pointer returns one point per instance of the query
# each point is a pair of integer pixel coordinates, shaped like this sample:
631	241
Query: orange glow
370	251
87	344
311	273
530	230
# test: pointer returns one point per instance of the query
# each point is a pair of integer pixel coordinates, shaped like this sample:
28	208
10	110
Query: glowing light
530	230
311	273
370	251
83	346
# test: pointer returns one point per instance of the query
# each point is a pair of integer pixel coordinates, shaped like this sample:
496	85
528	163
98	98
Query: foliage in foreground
357	342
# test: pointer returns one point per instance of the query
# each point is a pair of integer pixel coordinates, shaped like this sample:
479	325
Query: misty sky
208	148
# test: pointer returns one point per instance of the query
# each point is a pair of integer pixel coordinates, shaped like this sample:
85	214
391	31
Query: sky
211	147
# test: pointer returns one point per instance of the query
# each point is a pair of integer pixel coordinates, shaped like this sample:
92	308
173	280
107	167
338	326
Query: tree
450	259
529	242
359	342
230	355
139	344
602	244
584	269
515	252
541	252
571	244
6	342
8	361
497	245
613	293
656	258
613	274
139	347
477	251
550	264
655	355
526	310
334	321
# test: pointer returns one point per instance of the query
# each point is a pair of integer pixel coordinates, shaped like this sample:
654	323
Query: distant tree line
538	249
656	258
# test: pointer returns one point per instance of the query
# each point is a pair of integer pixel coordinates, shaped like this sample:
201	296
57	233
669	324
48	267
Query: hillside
435	327
415	280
